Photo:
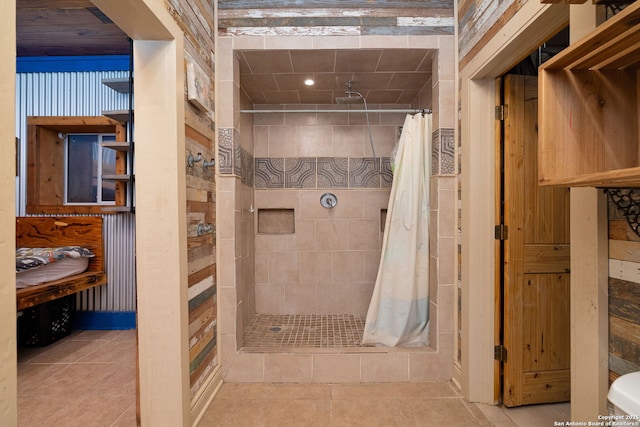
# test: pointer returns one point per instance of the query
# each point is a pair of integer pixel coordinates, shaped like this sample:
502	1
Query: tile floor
88	379
370	405
304	331
85	379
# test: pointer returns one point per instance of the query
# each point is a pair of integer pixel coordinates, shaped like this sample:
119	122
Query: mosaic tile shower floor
304	330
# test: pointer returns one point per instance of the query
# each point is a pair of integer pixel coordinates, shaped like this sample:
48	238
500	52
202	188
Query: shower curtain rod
406	111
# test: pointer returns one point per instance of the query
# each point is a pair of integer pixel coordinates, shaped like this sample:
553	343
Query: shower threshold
304	331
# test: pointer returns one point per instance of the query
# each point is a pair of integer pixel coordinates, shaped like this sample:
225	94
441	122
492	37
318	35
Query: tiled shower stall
281	254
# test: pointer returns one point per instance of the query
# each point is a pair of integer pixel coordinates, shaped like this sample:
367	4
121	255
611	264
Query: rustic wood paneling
342	4
479	21
624	297
624	250
619	230
196	19
429	17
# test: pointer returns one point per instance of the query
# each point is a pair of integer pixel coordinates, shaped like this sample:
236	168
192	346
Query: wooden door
535	260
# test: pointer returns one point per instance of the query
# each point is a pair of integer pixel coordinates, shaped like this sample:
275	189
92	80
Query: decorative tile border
443	152
447	152
225	150
237	157
269	173
247	168
333	172
435	152
322	172
364	172
386	174
232	158
300	173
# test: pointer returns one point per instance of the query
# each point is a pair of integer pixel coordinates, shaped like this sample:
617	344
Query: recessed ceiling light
309	82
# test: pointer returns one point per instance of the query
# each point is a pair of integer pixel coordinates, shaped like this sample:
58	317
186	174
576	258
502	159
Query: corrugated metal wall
82	94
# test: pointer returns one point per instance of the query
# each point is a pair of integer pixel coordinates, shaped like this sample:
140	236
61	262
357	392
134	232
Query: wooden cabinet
589	108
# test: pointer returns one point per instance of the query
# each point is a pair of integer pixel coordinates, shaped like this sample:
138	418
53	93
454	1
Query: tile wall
329	264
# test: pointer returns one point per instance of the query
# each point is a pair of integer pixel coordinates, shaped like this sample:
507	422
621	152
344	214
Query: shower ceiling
383	76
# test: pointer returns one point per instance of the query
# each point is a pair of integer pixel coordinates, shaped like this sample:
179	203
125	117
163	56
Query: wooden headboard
37	232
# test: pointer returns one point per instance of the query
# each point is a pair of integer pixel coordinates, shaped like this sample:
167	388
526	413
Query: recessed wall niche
276	221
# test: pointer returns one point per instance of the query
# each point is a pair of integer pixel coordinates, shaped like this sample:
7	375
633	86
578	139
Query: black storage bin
45	323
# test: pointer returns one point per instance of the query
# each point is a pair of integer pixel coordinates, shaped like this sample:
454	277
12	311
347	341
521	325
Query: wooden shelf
118	177
118	84
615	178
118	115
116	209
118	146
46	157
588	108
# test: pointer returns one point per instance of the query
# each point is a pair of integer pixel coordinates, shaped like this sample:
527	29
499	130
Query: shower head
352	97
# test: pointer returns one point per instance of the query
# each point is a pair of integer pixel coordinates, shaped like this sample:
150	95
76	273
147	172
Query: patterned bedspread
27	258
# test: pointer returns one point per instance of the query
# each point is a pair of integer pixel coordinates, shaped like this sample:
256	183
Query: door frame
476	102
160	182
530	26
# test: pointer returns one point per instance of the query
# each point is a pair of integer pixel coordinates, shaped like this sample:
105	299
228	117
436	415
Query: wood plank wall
624	296
346	17
196	19
479	21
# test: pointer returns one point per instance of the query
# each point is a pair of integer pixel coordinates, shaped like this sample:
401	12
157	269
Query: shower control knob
328	200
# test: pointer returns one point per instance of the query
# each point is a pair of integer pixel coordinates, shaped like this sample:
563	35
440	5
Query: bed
82	258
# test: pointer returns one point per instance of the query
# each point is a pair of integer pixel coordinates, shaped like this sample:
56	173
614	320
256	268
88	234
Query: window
86	162
67	164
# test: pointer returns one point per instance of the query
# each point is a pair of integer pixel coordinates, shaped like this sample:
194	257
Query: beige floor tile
127	418
392	390
128	335
436	412
89	380
235	413
77	380
67	351
538	415
36	411
122	352
366	412
27	354
274	391
119	380
95	335
297	412
32	375
56	389
478	414
91	411
496	416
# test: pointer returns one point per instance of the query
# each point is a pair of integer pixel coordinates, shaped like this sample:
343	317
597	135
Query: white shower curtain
399	311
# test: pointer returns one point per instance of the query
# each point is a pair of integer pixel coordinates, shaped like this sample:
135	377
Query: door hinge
500	353
501	112
502	232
